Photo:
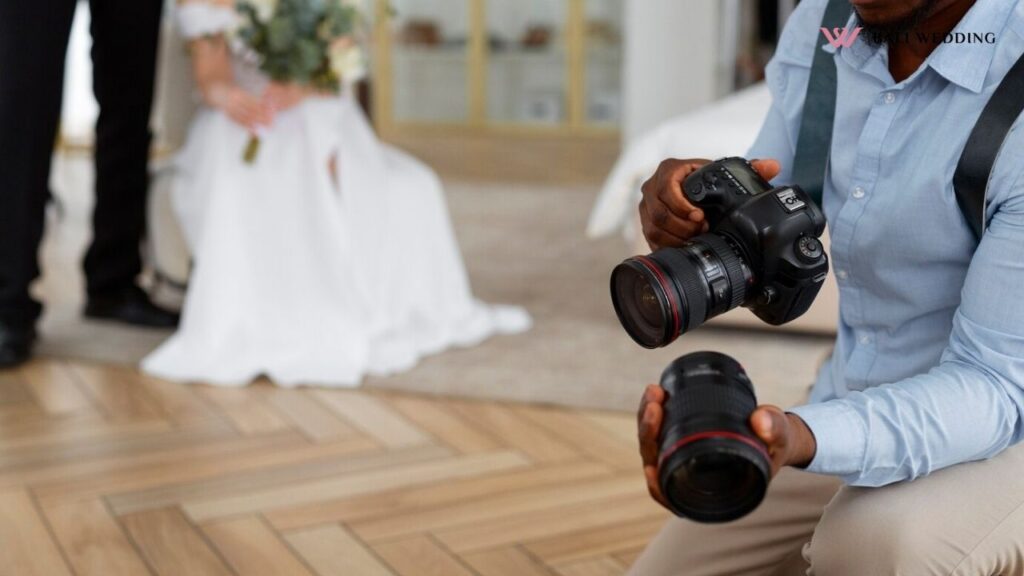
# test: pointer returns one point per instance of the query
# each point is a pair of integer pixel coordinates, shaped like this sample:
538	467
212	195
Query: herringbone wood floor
104	471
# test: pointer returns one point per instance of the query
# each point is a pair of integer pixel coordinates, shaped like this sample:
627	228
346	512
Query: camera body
775	229
762	251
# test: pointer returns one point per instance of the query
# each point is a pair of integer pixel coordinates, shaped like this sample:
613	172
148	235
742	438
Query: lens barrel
674	290
711	467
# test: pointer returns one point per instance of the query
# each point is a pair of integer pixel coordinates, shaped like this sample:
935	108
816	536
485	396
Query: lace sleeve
199	19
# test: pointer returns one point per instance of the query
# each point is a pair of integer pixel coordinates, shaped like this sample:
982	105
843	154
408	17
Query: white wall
672	60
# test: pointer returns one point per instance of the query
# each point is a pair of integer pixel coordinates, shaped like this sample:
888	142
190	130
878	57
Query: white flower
264	9
347	60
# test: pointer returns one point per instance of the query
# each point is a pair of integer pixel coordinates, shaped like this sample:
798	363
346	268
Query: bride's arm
211	65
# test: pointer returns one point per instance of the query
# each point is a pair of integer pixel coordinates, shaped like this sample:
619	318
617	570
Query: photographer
920	404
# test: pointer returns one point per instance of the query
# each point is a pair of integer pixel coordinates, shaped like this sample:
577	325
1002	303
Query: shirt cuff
840	436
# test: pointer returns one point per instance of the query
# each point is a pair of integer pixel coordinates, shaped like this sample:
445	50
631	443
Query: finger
671	195
769	424
656	236
674	173
645	399
650	429
663	219
653	487
767	168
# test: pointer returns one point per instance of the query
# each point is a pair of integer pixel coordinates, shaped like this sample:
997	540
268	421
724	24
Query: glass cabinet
546	65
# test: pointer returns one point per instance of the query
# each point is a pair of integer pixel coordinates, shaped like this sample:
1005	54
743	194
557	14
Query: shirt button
858	192
865	339
889	97
842	274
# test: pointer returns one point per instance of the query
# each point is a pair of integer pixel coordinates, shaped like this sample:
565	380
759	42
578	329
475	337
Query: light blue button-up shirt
928	367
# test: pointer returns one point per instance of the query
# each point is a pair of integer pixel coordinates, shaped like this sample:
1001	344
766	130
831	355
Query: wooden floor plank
179	403
507	561
585	435
333	551
26	548
545	524
599	541
118	391
433	416
373	417
442	469
604	566
54	387
495	508
76	456
421	556
253	549
171	545
536	443
619	425
93	541
76	427
304	464
407	499
245	408
207	461
308	415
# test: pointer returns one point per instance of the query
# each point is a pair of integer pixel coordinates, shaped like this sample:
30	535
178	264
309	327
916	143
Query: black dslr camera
762	252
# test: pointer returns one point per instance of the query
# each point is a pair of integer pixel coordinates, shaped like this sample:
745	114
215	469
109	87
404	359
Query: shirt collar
965	64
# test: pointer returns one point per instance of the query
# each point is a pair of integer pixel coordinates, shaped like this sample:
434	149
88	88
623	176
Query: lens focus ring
733	266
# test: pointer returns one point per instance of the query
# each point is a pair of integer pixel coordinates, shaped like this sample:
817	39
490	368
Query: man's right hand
667	217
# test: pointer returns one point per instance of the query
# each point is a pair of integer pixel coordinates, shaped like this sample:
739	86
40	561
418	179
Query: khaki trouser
967	520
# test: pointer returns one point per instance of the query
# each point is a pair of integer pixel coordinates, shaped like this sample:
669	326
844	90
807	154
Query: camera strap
814	142
983	145
970	181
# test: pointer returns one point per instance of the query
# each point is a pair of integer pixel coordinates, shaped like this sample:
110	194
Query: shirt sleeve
969	407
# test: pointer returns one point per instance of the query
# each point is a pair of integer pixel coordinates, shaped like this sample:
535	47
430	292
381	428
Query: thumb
768	424
767	168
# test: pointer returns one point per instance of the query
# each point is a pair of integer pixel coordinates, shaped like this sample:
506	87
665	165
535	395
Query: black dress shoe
15	344
133	307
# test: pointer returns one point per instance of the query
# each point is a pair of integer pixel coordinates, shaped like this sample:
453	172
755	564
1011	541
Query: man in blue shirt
926	381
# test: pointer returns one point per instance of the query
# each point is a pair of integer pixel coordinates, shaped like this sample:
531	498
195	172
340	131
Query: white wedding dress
305	277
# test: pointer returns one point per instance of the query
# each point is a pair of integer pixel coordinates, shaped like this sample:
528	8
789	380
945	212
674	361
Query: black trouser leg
125	34
33	41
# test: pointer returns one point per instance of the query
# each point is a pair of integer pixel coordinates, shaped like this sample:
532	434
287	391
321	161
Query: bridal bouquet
311	43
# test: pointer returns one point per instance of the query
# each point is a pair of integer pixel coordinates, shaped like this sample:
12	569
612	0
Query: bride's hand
281	97
240	106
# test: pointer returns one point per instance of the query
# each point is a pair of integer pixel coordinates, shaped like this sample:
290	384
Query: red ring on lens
690	439
665	287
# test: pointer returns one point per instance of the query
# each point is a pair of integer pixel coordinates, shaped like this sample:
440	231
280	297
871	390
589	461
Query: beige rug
523	245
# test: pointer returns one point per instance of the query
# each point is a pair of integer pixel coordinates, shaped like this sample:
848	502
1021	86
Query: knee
862	532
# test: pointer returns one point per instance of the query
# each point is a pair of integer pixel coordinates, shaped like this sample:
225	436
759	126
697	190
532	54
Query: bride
329	258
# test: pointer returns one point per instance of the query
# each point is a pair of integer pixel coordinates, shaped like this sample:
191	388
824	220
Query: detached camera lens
712	468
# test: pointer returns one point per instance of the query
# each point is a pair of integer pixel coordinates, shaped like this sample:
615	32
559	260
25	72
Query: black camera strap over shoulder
983	145
814	142
970	181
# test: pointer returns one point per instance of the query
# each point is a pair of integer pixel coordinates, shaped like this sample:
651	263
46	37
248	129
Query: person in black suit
33	41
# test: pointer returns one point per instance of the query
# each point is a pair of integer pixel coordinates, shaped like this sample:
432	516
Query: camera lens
712	468
643	303
674	290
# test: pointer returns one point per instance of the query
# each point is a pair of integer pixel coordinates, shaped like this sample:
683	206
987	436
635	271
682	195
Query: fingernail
696	215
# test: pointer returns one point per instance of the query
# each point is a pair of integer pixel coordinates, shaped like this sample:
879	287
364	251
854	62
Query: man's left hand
789	440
